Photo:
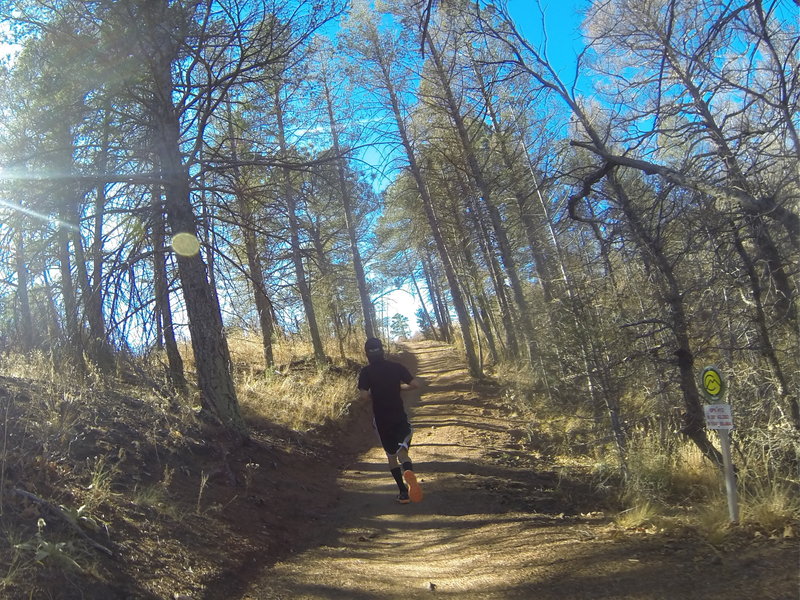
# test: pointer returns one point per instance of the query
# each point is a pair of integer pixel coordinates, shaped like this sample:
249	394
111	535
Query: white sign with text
718	416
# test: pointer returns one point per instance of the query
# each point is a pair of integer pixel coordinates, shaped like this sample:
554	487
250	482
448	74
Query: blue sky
562	19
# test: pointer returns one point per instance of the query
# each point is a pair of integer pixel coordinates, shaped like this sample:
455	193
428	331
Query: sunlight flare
185	244
37	215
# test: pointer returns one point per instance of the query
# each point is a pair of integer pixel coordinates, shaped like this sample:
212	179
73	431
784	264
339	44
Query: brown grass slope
115	488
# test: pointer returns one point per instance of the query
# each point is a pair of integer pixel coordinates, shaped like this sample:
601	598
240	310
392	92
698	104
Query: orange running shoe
414	488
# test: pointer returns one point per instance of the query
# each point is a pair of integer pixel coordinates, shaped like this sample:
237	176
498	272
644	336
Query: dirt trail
490	526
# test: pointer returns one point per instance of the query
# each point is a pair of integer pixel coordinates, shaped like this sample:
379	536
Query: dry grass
685	490
247	351
298	402
678	478
774	507
645	514
298	393
669	484
712	520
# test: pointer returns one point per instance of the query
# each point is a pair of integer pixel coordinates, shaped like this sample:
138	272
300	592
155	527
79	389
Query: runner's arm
411	385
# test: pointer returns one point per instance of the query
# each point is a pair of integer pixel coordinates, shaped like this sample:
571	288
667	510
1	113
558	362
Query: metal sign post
719	416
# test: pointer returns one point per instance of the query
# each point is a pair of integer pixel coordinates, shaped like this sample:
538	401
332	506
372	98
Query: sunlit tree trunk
476	173
70	303
481	310
97	348
358	266
538	246
439	305
101	348
427	203
425	313
294	238
210	347
255	270
327	277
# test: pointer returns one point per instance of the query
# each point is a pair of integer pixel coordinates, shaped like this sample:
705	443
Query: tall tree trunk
536	243
481	311
209	235
163	309
54	329
326	274
101	348
71	321
358	266
210	347
498	281
294	239
425	314
67	229
435	294
433	222
475	171
262	301
25	323
255	270
97	348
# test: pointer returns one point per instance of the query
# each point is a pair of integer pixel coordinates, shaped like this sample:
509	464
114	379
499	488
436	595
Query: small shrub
679	477
101	479
772	507
713	521
644	514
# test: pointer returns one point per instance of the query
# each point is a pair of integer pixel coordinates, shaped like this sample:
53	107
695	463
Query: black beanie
374	349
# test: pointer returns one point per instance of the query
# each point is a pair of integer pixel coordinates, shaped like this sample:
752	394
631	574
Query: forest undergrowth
659	480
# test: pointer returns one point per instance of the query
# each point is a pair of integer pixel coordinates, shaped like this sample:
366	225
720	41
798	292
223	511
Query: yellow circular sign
712	382
185	244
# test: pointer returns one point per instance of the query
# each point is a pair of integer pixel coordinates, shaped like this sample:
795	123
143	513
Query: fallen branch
58	512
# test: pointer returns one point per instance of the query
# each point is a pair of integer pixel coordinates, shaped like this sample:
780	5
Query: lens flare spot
185	244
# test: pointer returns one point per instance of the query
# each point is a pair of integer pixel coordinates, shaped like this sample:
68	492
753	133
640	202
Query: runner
381	381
